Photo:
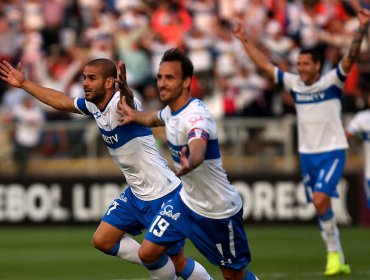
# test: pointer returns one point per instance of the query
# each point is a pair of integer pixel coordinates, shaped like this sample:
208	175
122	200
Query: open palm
9	74
122	84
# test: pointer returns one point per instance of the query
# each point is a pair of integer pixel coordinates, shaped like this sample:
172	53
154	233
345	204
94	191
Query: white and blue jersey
208	209
133	149
318	109
206	189
360	126
321	137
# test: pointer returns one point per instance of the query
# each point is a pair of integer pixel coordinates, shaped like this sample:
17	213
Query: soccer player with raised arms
208	209
133	148
321	138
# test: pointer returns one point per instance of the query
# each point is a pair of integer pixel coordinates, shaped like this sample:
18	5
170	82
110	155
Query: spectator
29	120
171	23
77	136
33	16
250	88
10	44
57	72
32	54
155	45
137	67
276	43
204	14
199	49
287	13
225	50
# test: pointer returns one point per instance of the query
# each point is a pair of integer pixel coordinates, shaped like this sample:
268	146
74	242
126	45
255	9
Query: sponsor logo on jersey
110	139
167	211
314	97
97	115
194	120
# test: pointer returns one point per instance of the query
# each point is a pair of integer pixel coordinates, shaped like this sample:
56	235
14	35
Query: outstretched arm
350	58
123	87
197	151
258	57
51	97
128	114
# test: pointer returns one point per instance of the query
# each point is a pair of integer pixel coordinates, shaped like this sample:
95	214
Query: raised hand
9	74
238	31
122	84
121	79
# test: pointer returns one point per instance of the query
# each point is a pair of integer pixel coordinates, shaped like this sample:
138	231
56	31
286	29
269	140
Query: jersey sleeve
162	114
137	104
335	77
284	79
355	125
197	126
81	106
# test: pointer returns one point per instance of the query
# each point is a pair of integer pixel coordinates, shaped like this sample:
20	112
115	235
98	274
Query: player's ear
187	82
109	82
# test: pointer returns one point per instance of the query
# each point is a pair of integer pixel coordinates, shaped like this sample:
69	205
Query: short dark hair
108	68
175	54
315	54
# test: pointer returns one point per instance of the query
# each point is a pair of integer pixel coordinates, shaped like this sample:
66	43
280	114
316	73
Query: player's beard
96	95
170	96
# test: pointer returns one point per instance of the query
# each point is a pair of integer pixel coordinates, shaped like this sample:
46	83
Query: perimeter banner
267	199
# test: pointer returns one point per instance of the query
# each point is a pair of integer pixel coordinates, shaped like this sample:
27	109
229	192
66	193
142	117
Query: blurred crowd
55	38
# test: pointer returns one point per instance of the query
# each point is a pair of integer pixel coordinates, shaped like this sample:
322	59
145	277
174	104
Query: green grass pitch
279	252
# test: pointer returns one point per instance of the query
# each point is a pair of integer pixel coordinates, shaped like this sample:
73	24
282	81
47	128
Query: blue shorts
321	172
133	215
222	241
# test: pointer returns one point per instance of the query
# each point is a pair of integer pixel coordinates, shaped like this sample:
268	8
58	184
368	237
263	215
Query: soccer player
360	126
208	209
322	140
133	148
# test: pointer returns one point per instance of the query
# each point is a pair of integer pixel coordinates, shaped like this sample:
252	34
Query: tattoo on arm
355	45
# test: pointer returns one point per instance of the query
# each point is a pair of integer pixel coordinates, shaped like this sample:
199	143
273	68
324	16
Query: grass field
289	253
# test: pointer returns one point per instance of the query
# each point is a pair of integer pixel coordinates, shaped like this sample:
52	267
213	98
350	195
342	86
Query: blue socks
327	215
188	269
114	250
158	264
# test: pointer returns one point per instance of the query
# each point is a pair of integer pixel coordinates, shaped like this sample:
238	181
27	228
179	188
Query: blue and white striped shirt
206	189
134	150
318	107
